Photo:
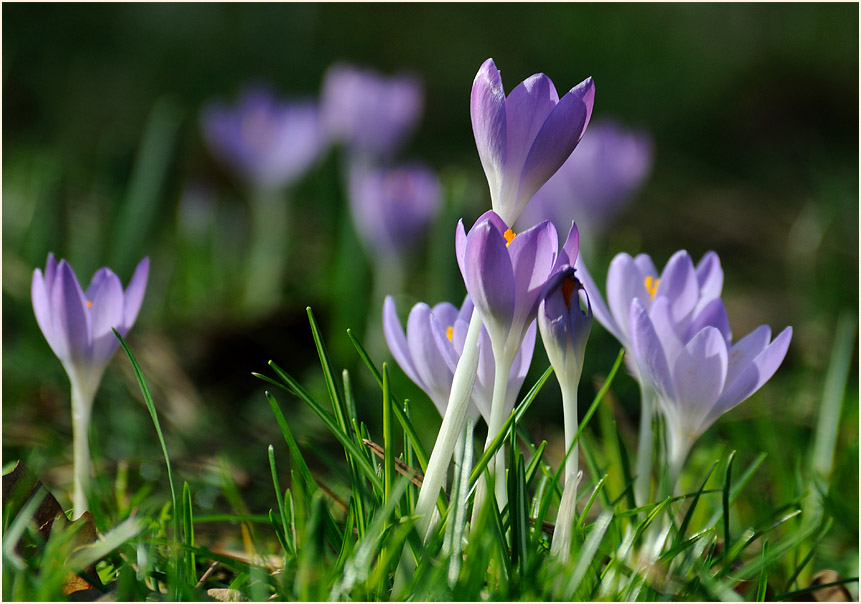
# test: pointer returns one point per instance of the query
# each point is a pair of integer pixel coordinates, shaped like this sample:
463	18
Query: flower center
509	237
569	286
449	332
89	304
652	285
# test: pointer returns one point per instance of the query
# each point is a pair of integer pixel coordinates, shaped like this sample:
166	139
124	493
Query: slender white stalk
450	431
645	446
561	544
82	406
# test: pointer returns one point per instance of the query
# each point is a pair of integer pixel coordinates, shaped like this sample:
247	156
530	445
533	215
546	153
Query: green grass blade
188	530
763	575
282	511
690	513
358	501
797	594
338	403
406	424
725	503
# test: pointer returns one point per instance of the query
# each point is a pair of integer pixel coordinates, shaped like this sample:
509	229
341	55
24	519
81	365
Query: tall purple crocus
597	180
524	138
506	276
77	326
266	141
433	343
699	375
392	207
369	112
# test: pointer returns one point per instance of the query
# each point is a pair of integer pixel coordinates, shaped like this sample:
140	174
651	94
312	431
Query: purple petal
134	296
699	375
646	266
50	271
679	284
709	277
532	254
446	313
599	307
557	138
489	276
714	314
427	360
624	283
745	350
526	109
648	351
397	342
661	315
40	296
519	368
71	317
752	372
105	296
487	111
570	249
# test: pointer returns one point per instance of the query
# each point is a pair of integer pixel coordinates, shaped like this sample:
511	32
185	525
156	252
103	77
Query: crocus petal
570	249
699	374
489	277
532	254
71	319
646	266
40	295
557	138
679	284
624	283
714	314
599	307
105	297
446	313
649	352
134	296
50	271
429	364
755	372
397	341
709	277
745	350
662	319
487	111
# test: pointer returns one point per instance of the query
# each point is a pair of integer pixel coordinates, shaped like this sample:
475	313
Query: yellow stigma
652	285
89	304
509	237
449	332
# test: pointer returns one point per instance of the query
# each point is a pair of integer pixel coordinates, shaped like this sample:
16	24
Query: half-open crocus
369	112
596	182
699	375
267	142
565	327
524	138
392	207
506	276
77	326
689	291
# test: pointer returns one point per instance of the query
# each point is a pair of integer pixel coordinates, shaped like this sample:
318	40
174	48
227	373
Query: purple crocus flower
507	275
77	326
392	207
431	347
699	375
565	328
267	142
524	138
597	180
369	112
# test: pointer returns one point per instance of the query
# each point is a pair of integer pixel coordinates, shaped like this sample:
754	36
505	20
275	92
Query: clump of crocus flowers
78	326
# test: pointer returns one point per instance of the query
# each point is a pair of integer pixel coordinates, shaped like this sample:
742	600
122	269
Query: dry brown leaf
221	594
835	593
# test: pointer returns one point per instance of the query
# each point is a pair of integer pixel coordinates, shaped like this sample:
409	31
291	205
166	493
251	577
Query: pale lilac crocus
266	141
432	345
565	327
524	138
596	182
689	290
77	326
369	112
392	207
699	375
506	276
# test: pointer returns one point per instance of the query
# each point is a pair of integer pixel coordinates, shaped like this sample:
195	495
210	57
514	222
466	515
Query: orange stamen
89	304
652	285
449	332
509	237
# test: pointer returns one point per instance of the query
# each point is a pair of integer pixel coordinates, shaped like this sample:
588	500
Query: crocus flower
699	375
434	340
597	180
77	326
267	142
564	330
369	112
524	138
392	207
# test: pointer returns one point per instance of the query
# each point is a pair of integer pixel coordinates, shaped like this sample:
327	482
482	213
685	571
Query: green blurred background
753	109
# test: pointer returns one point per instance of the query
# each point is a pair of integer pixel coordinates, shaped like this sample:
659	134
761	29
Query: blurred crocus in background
77	326
594	185
268	143
524	138
368	112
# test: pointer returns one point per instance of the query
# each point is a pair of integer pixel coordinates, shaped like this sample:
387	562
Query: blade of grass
188	529
796	595
763	575
409	429
690	513
727	483
281	509
358	501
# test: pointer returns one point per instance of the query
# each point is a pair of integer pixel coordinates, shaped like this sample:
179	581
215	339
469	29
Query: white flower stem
561	544
645	446
450	431
82	405
495	466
